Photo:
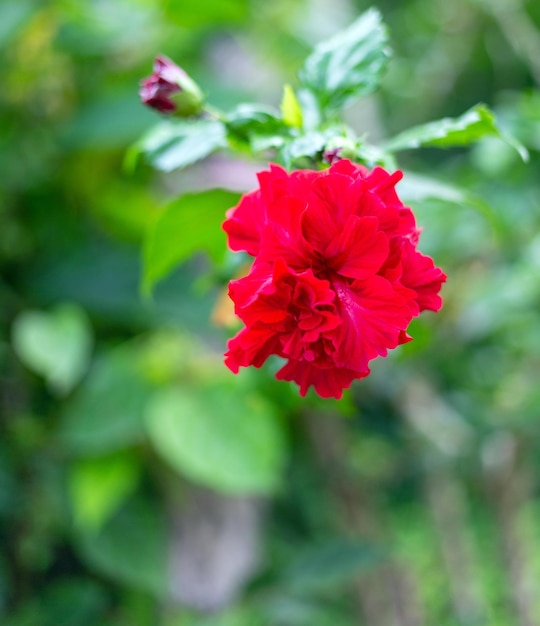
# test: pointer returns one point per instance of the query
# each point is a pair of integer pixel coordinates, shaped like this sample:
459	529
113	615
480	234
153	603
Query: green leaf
304	146
106	412
131	548
256	126
371	156
290	108
349	65
175	144
311	113
56	345
188	225
222	436
98	486
475	124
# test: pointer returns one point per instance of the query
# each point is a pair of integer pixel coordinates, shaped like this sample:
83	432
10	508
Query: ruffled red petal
336	279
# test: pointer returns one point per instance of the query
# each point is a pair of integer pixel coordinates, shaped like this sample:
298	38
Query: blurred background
141	484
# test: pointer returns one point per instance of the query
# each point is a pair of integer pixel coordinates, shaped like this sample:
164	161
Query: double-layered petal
336	277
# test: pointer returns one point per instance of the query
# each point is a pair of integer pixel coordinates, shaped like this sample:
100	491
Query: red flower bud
170	90
339	148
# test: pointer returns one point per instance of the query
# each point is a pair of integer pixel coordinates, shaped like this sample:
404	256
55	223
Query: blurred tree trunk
215	547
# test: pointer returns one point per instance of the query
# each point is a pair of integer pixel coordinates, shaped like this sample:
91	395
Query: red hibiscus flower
336	278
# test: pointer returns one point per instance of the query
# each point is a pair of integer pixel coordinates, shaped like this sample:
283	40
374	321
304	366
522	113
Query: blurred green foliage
413	501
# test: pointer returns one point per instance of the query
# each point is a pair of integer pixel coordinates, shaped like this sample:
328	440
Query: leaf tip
290	108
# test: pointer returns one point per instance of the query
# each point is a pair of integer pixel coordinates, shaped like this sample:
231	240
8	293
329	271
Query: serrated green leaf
247	114
176	144
303	146
473	125
371	156
257	127
311	113
221	436
349	65
56	345
290	108
188	225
